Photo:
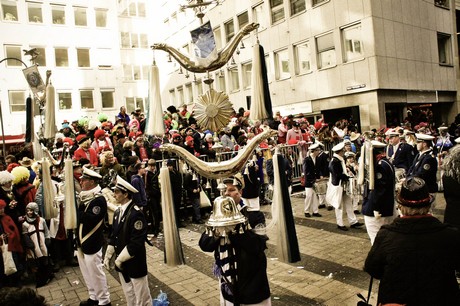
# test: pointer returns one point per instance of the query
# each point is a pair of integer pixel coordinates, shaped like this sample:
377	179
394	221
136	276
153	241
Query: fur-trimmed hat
20	174
5	177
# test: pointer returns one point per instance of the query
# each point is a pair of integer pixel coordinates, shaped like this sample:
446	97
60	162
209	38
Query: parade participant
153	195
425	165
193	188
24	193
9	233
339	175
101	142
92	210
27	162
127	243
137	180
35	230
352	186
451	184
108	162
142	149
240	260
176	185
322	164
443	145
6	188
294	135
400	154
85	150
311	174
251	193
416	255
124	116
378	203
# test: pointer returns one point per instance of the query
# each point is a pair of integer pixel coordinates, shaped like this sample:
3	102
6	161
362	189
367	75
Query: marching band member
311	174
322	164
352	189
400	154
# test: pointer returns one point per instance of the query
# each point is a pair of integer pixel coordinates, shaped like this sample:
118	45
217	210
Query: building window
80	16
258	14
13	52
40	60
65	100
127	72
282	64
134	40
317	2
172	97
234	79
9	10
35	12
83	57
442	3
243	19
107	98
221	81
247	71
199	87
137	9
189	93
229	30
326	51
62	57
58	14
277	10
297	6
141	9
86	97
17	101
145	72
444	49
134	102
137	73
180	95
218	38
352	42
143	40
302	58
268	66
125	40
101	18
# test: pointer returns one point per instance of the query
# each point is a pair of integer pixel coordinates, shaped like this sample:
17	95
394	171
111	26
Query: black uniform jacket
425	166
130	230
89	217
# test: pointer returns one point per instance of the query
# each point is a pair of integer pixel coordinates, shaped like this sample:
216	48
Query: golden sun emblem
213	110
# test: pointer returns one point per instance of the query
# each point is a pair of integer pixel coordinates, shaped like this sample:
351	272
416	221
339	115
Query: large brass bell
225	213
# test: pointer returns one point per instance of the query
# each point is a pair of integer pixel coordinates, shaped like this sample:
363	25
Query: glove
108	256
377	215
122	257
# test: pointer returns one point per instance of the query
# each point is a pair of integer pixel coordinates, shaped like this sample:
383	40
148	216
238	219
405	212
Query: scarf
344	167
87	195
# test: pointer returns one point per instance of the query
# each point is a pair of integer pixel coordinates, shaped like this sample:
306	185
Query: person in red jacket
85	150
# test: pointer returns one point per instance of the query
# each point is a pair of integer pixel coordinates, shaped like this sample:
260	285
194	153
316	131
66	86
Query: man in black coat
92	211
322	164
153	196
311	174
416	256
400	154
425	165
127	242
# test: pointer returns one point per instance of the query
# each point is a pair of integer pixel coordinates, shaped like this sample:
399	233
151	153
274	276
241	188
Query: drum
351	187
320	186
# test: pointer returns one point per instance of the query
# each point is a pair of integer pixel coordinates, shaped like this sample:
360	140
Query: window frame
325	51
316	3
13	4
81	98
298	70
447	47
442	4
41	56
64	92
10	100
110	91
56	57
229	35
88	53
105	14
263	24
58	8
247	74
292	4
241	25
358	56
12	63
234	76
274	9
38	6
279	67
76	10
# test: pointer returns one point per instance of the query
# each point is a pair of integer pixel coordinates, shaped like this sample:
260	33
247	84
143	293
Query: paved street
329	273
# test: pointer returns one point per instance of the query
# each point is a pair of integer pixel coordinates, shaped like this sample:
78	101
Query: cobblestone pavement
329	273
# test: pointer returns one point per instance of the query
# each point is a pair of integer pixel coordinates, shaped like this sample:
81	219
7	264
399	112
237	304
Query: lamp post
1	114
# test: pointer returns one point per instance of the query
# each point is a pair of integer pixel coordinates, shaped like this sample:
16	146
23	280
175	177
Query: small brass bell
225	213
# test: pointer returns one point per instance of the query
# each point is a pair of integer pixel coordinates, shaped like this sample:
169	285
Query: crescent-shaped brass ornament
212	110
224	55
217	170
